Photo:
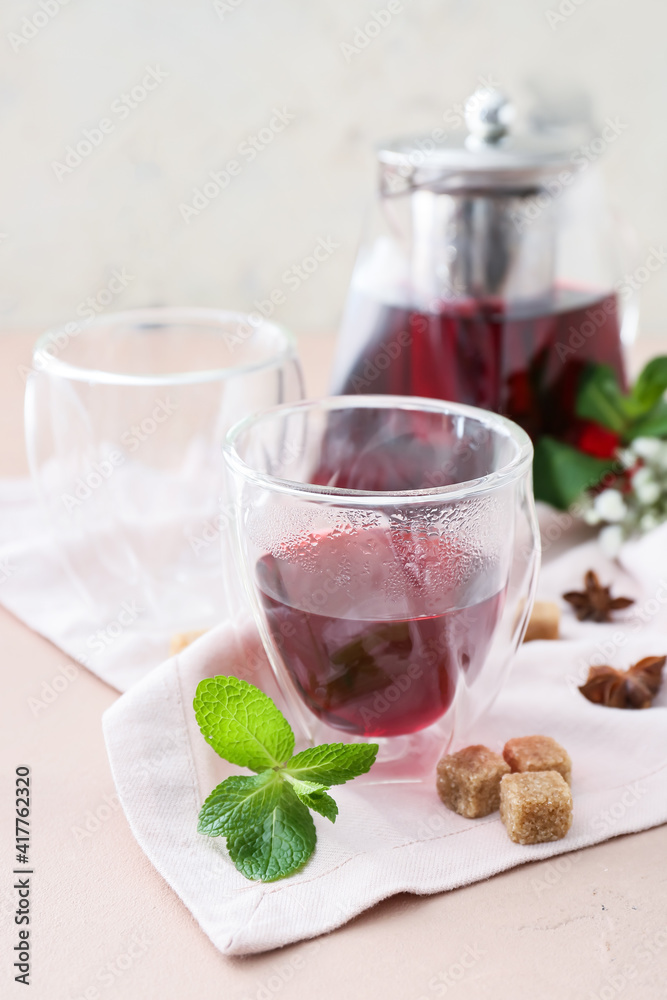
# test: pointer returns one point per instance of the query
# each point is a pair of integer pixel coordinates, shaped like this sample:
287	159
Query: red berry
598	441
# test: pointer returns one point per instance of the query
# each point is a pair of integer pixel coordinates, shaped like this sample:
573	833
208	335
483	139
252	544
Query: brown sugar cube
535	807
543	622
468	782
538	753
180	640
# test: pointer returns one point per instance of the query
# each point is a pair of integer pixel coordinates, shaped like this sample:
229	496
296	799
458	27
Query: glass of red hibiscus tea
389	548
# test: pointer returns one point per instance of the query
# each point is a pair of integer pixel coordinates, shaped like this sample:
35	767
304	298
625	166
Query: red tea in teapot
524	363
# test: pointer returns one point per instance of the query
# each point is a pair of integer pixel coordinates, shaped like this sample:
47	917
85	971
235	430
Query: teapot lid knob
488	115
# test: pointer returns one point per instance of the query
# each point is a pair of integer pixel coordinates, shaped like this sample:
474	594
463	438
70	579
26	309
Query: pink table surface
591	924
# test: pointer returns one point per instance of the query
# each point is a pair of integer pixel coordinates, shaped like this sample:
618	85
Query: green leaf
562	473
322	804
236	800
314	796
242	724
269	831
303	787
333	763
599	398
654	424
650	386
273	837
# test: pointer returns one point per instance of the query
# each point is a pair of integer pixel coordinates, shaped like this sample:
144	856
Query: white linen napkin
35	586
388	837
391	838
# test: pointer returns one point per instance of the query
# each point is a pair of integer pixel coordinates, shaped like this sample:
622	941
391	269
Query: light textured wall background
228	64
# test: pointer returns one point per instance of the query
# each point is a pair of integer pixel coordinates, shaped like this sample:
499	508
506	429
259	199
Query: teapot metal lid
493	153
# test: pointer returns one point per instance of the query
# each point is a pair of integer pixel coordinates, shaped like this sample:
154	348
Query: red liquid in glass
524	363
374	627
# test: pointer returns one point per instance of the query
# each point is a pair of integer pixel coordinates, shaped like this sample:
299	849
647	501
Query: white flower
661	458
610	505
647	493
648	521
645	487
611	539
647	448
626	457
591	516
642	476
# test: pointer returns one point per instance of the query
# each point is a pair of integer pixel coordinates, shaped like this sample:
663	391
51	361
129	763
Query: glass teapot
490	274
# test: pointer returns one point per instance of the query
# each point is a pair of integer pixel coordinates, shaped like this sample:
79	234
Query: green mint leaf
269	831
305	787
314	796
599	398
332	763
242	724
321	803
236	800
562	473
650	386
271	837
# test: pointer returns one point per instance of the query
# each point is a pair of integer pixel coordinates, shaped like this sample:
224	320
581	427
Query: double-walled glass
125	420
390	549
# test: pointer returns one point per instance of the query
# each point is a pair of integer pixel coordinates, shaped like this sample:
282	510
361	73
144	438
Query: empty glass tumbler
125	419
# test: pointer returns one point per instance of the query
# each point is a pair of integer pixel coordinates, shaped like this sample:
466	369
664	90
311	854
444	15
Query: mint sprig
265	817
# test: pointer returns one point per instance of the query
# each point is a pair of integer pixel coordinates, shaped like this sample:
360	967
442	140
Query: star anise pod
595	602
633	688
